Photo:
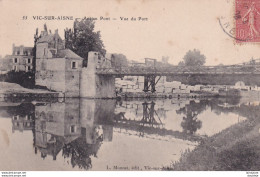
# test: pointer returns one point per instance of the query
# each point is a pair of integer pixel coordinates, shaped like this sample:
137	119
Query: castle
57	68
61	70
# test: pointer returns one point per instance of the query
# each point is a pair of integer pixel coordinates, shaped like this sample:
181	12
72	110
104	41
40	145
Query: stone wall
51	73
59	118
72	78
42	51
57	74
97	112
105	86
72	117
95	86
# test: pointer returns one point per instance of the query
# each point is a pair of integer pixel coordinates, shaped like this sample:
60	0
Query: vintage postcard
130	85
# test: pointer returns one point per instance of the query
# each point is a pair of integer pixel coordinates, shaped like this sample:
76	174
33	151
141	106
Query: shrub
25	79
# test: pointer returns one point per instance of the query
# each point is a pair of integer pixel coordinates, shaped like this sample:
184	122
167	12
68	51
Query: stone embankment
165	95
15	93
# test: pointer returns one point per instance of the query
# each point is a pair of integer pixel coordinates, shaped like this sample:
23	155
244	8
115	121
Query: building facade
57	68
21	59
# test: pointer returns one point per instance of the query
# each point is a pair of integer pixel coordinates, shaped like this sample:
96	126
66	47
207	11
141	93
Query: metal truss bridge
249	73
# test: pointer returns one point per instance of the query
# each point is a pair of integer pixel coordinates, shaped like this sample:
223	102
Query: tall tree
36	37
82	38
193	58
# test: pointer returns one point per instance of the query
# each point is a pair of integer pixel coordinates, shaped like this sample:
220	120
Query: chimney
21	50
56	40
13	49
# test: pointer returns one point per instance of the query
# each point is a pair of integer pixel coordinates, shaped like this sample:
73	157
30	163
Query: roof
28	48
68	54
25	48
46	38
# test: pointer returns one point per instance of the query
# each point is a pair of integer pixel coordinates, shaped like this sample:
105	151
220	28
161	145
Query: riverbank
12	90
16	93
236	148
7	88
165	95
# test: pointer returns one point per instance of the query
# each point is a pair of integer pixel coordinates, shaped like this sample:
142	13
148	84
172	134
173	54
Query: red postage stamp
247	20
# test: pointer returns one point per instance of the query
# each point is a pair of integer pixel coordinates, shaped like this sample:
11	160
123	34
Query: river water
82	134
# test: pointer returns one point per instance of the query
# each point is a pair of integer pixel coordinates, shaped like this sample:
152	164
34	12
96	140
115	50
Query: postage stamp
247	15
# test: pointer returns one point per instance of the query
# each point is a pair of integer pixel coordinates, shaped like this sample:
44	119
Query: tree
181	63
193	58
36	37
82	39
165	59
80	152
191	123
118	60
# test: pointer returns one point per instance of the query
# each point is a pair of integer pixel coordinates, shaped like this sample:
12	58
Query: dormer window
74	65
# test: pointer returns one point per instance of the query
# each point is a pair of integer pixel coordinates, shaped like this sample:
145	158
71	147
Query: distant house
22	123
21	59
57	68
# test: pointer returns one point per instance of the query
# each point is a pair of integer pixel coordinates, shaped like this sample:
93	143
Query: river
83	134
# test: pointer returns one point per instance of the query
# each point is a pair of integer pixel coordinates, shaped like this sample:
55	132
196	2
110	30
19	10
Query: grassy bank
236	148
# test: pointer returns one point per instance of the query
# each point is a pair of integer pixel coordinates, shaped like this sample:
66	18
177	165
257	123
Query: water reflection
80	130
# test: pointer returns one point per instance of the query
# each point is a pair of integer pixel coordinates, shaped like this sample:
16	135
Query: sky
173	27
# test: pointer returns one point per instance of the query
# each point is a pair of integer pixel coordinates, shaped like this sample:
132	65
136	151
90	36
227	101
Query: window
27	68
28	60
72	129
74	65
15	68
15	117
15	60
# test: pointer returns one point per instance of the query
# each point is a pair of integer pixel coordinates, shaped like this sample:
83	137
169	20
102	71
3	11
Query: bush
25	79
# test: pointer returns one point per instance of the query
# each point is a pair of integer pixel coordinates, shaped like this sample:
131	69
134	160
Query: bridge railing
141	69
